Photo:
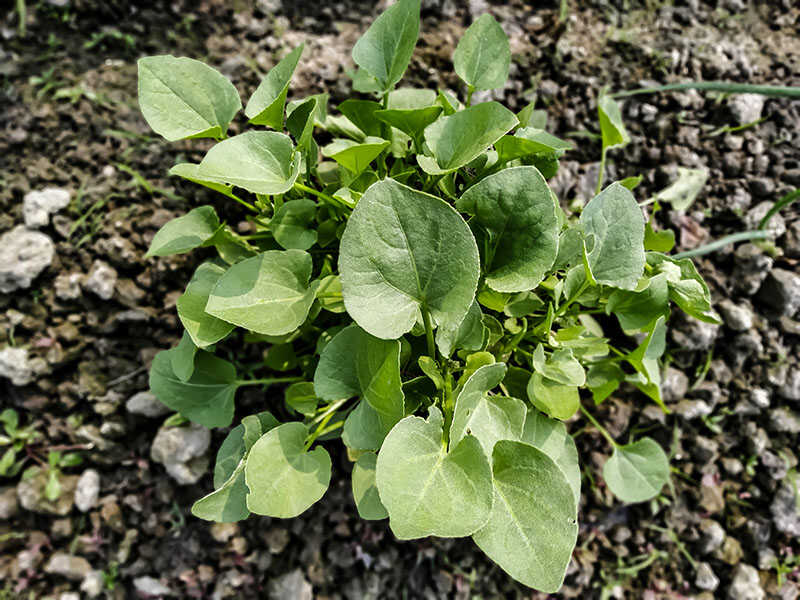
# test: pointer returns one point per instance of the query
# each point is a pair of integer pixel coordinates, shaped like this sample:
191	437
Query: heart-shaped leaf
469	334
203	328
183	358
365	492
551	437
558	400
292	224
192	230
636	310
483	55
636	472
266	105
355	156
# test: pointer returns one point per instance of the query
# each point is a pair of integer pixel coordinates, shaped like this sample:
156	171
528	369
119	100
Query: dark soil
69	119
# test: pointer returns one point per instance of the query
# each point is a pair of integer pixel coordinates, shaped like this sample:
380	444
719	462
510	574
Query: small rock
757	438
705	578
93	584
731	551
9	506
750	268
785	516
150	587
777	224
784	420
674	385
746	108
70	596
222	532
692	409
38	206
67	286
736	316
277	539
16	366
292	585
145	403
775	465
88	490
30	493
101	280
760	397
182	451
745	584
72	567
712	536
781	291
692	334
790	390
704	450
732	465
23	255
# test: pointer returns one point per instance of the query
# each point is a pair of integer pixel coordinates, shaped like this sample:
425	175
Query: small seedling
420	292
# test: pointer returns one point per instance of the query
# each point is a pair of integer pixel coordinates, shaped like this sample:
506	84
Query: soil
726	527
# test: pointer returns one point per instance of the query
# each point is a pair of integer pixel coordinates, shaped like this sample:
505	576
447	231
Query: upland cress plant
422	295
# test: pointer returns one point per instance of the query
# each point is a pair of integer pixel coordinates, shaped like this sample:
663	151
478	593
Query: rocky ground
83	188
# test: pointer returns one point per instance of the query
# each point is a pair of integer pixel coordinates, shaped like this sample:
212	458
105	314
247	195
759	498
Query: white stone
145	403
38	206
88	490
101	280
15	365
23	255
148	586
182	451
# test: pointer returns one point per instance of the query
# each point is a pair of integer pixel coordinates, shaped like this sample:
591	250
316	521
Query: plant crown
423	294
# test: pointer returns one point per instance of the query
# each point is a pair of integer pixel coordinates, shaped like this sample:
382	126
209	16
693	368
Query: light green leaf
183	358
411	121
687	288
385	49
529	141
407	98
458	139
292	224
203	328
283	478
262	162
364	429
302	398
636	472
560	366
301	119
355	156
362	114
612	128
191	172
192	230
603	379
426	489
570	247
660	241
518	213
684	190
467	335
483	54
488	418
555	399
613	227
533	525
329	294
206	398
636	310
184	98
365	492
266	105
403	252
551	437
268	293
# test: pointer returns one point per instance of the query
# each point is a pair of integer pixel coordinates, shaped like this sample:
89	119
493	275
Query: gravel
745	584
72	567
150	587
38	206
182	451
781	291
88	490
101	280
746	108
146	404
16	366
24	254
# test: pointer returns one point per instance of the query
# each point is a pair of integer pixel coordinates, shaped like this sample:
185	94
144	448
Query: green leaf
266	105
407	98
426	489
363	428
355	156
292	224
410	121
362	114
302	398
533	525
612	128
636	472
684	190
283	478
404	252
183	358
231	247
329	294
551	437
488	418
467	335
603	379
301	119
192	230
184	98
365	492
560	367
268	293
191	172
206	398
687	288
613	227
483	54
570	247
458	139
528	141
555	399
636	310
518	212
660	241
203	328
261	162
385	49
228	502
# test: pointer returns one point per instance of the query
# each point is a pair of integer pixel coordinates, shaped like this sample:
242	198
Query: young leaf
292	224
560	367
329	294
529	141
362	114
365	492
483	55
426	489
203	328
682	193
262	162
489	418
613	228
355	156
551	437
469	334
283	478
518	212
557	400
533	526
183	358
385	49
637	472
191	172
458	139
302	398
184	98
192	230
659	241
268	293
266	105
636	310
206	398
404	252
411	121
612	128
603	379
687	288
364	429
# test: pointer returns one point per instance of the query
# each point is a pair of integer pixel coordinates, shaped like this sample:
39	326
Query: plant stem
329	410
724	241
602	173
22	14
319	430
470	91
599	427
269	381
785	201
244	203
562	309
426	320
329	199
717	86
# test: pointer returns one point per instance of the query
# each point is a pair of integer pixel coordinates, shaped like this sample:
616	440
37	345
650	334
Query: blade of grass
785	201
717	86
722	242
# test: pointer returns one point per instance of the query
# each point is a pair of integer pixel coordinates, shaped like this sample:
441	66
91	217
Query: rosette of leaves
410	281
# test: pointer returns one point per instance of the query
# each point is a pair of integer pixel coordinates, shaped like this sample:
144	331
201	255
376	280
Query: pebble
24	254
101	280
146	404
9	505
93	584
745	584
777	224
292	585
705	578
88	490
790	390
72	567
30	493
736	316
692	334
750	268
746	108
784	420
67	286
692	409
38	206
151	587
784	511
781	291
16	366
759	397
674	385
712	536
182	451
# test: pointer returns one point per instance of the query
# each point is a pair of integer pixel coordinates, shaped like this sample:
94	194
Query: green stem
722	242
563	308
785	201
332	408
470	91
602	173
426	320
717	86
318	431
269	381
329	199
22	14
599	427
